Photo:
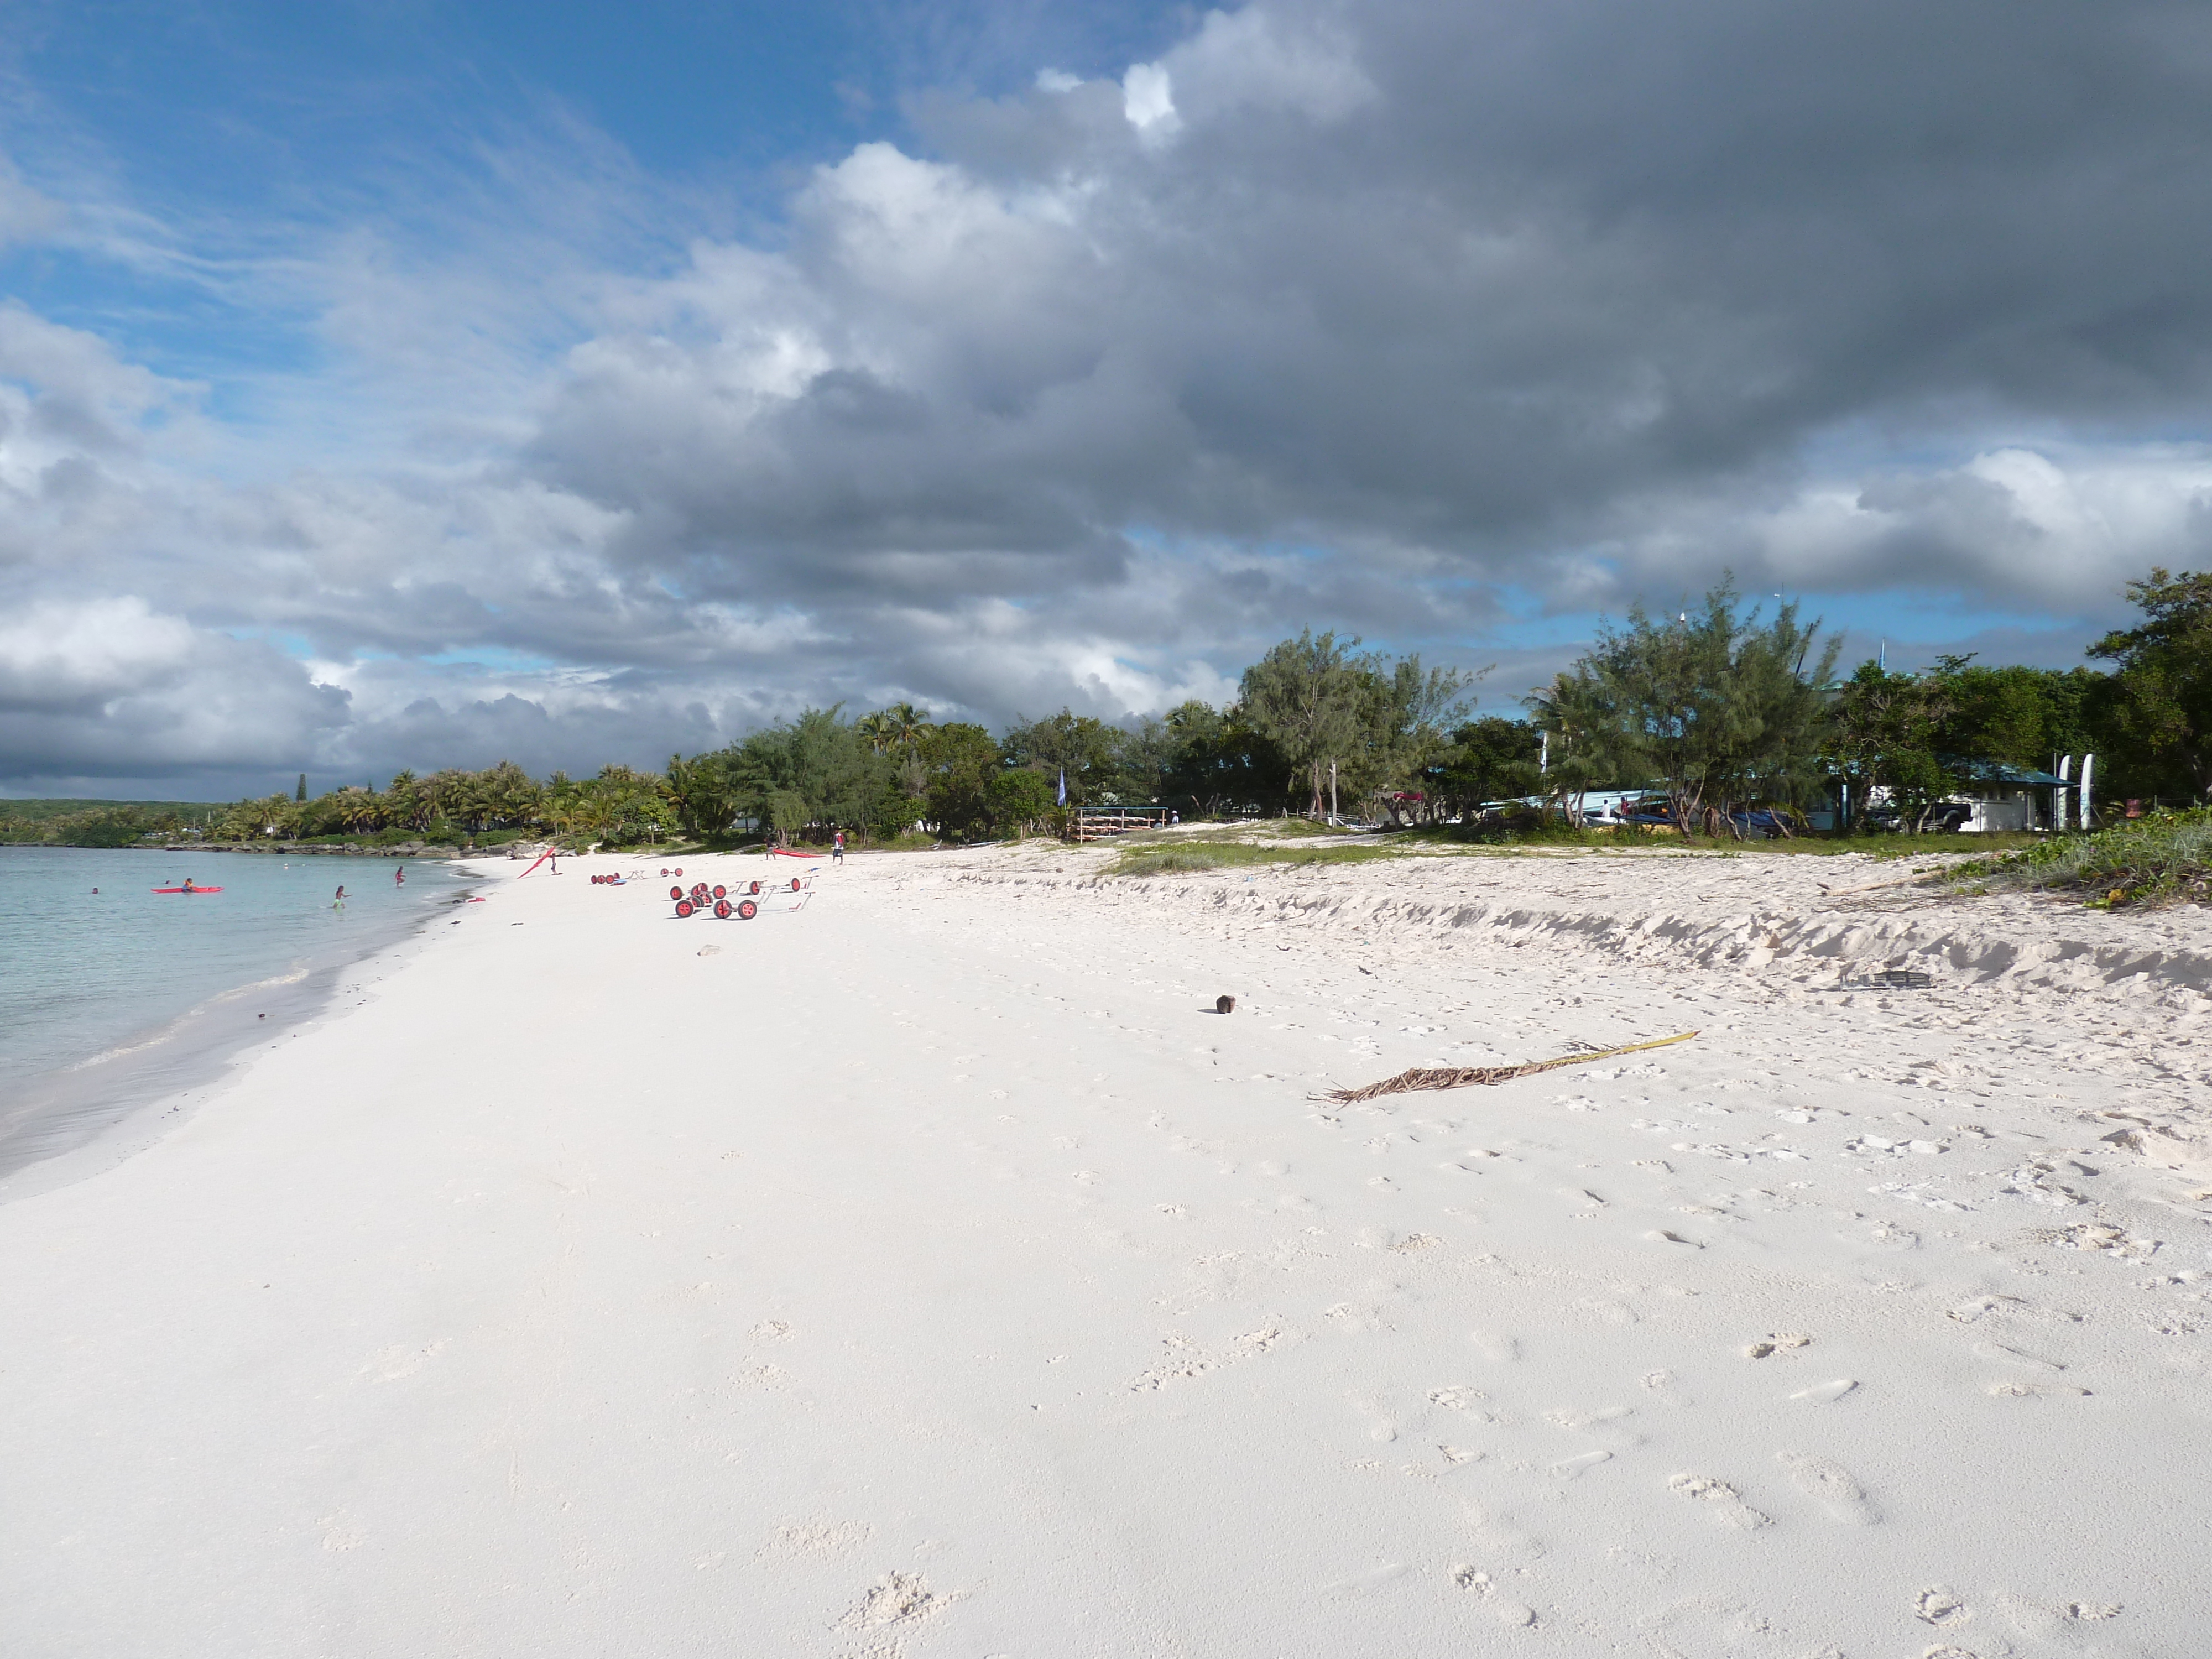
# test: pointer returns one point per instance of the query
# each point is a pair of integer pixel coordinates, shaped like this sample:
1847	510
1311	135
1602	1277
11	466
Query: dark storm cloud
1469	279
1407	320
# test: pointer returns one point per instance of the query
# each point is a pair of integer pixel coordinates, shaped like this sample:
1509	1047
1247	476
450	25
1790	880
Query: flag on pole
1063	786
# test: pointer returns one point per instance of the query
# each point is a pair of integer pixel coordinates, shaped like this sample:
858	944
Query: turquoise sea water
84	972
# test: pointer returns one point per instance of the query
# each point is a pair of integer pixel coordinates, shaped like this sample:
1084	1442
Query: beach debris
1904	978
1457	1076
1225	1005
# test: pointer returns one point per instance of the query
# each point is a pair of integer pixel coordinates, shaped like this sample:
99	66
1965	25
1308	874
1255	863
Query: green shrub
2165	858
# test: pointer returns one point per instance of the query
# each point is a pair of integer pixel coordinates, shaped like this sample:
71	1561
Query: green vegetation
96	822
1728	717
1723	710
1920	736
2164	858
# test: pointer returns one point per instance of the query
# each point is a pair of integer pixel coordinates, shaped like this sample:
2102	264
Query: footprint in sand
897	1599
1769	1345
2044	1621
1458	1399
1380	1424
1568	1468
1941	1606
1514	1615
1832	1487
1361	1584
1711	1627
1726	1504
2011	1356
1826	1393
1606	1311
1567	1418
2013	1388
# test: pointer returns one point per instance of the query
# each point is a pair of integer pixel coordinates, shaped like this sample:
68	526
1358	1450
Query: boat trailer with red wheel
725	903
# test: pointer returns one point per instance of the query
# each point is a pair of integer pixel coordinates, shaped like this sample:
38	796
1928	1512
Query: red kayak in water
188	889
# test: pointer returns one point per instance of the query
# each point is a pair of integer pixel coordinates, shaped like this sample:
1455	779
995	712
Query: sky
386	383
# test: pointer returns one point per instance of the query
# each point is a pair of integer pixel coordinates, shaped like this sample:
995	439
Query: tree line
1721	708
1724	707
1387	723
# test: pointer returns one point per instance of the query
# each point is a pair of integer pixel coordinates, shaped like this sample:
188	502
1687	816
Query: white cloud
1148	99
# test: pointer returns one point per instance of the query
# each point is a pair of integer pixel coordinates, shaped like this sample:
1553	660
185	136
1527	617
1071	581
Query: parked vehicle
1948	816
1763	823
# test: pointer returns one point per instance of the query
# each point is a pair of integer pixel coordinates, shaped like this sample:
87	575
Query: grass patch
1632	838
1905	847
1195	855
1236	832
2163	859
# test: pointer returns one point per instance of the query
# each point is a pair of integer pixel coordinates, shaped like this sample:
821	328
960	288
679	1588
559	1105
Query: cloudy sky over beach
413	384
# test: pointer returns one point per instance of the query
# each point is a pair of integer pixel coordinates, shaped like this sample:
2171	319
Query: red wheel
747	909
680	869
720	891
795	883
683	907
676	892
755	887
721	910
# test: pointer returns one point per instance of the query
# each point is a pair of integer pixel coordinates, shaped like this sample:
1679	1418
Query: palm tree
910	726
880	729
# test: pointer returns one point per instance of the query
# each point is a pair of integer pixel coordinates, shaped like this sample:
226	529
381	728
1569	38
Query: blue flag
1063	786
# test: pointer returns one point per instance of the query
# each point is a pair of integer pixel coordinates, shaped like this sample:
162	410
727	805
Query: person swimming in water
338	903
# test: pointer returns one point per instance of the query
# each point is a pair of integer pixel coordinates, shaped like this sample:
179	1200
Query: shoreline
93	1111
931	1270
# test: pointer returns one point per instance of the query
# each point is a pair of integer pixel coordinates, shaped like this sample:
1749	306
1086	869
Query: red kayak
188	889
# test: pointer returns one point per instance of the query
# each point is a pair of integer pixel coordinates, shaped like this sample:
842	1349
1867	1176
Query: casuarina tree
1306	696
1718	706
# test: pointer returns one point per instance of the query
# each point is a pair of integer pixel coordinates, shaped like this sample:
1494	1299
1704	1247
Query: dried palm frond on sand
1455	1077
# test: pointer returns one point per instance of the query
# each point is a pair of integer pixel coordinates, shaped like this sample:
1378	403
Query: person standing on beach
837	849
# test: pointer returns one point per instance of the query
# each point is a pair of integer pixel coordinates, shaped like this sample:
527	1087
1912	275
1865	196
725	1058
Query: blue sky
413	384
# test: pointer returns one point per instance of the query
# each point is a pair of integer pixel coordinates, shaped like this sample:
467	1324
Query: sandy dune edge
1644	911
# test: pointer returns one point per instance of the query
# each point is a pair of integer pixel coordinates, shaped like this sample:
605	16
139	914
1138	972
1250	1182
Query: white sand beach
931	1272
